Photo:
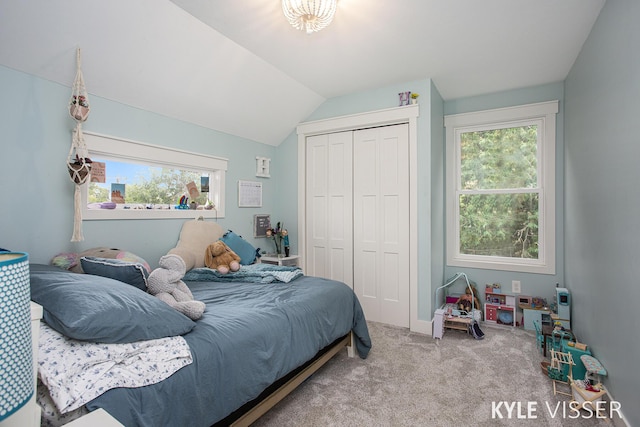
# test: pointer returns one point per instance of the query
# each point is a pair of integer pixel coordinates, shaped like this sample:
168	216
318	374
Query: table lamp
16	368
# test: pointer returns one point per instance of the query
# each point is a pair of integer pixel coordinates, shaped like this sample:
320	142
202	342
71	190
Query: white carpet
414	380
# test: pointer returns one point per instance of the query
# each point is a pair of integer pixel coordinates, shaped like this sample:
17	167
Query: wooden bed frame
251	411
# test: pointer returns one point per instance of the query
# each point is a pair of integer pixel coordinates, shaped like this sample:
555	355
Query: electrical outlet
515	286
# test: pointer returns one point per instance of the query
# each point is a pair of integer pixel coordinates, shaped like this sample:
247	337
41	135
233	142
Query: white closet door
381	223
329	207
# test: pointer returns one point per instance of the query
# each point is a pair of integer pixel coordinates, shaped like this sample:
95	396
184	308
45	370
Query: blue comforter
255	273
250	335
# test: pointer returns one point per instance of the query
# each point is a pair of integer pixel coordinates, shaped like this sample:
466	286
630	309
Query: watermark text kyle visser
531	409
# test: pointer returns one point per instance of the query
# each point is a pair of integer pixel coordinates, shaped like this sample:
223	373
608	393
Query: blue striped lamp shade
16	369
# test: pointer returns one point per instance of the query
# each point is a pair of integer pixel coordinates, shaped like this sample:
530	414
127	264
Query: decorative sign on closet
249	194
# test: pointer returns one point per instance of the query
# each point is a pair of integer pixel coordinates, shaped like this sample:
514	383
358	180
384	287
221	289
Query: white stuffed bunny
165	282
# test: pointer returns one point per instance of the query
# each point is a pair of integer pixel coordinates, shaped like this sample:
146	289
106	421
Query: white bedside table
289	261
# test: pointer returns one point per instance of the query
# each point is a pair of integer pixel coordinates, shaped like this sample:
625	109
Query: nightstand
289	261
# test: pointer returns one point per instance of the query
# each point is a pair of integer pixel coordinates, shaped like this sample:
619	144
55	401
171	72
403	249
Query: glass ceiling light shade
309	15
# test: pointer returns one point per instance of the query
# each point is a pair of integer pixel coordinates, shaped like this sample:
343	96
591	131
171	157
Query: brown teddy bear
220	257
465	301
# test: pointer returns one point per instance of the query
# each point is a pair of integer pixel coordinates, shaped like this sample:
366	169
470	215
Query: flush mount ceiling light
309	15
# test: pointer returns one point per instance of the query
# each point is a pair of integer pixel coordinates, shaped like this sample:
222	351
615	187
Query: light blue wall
437	209
37	194
541	285
285	173
378	99
375	99
602	199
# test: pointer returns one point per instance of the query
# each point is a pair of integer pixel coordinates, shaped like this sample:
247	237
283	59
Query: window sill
507	264
107	214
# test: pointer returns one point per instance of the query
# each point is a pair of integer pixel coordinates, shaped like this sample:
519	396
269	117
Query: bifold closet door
381	222
329	207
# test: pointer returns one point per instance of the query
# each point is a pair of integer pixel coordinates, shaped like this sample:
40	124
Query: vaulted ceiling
238	67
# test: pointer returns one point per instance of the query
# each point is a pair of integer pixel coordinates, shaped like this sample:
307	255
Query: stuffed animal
220	257
71	260
465	301
165	282
195	236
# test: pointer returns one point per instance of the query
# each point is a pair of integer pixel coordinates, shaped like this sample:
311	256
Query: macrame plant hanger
78	161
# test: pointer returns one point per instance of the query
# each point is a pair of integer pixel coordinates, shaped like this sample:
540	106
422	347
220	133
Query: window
501	188
146	181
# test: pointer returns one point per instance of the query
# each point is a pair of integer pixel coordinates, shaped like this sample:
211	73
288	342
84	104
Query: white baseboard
618	421
422	327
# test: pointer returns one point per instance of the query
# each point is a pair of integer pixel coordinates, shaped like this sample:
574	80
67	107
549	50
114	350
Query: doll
470	297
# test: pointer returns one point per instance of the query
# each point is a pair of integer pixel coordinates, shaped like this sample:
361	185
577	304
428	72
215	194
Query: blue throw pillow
132	273
99	309
241	247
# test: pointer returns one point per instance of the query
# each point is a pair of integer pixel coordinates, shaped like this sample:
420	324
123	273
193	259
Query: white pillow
195	236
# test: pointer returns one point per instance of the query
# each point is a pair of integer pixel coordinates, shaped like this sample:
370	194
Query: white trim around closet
407	114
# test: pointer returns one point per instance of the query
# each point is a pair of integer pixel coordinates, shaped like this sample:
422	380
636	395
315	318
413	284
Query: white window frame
119	149
544	114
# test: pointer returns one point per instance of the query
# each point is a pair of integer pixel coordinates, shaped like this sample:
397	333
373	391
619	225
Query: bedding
75	372
250	335
101	309
195	236
132	273
454	311
257	273
241	247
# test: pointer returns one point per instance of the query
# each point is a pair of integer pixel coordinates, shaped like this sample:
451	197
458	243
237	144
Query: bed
256	341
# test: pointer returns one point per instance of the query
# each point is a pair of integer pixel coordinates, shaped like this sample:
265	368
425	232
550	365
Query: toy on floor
560	370
449	316
595	370
590	390
474	329
470	297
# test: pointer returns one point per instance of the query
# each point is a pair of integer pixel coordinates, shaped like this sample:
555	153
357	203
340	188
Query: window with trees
143	181
501	188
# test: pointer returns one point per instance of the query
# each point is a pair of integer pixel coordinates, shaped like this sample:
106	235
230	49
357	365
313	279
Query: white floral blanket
76	372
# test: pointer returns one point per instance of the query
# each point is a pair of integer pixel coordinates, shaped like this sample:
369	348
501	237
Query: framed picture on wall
261	223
